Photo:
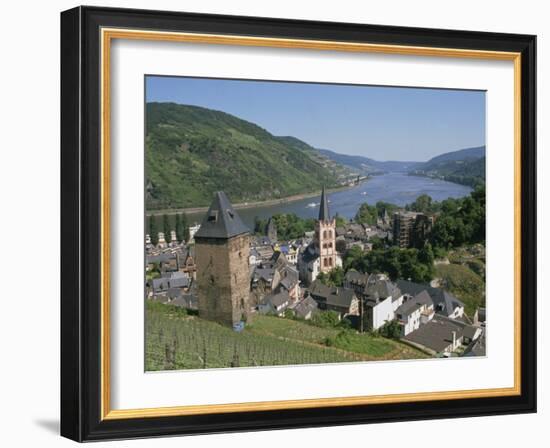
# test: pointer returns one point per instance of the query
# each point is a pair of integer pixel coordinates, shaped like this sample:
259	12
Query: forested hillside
466	167
191	152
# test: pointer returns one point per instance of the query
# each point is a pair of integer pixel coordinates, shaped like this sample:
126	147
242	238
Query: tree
179	229
340	221
166	227
426	254
422	204
352	257
395	262
461	221
290	226
382	206
182	227
153	229
335	277
367	214
391	329
377	242
260	226
443	232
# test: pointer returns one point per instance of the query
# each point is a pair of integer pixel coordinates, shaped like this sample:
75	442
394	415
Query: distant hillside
340	171
191	152
466	166
461	154
367	165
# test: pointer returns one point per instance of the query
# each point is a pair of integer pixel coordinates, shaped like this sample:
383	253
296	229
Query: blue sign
238	327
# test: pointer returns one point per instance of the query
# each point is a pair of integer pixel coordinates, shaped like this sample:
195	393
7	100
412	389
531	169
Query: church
320	255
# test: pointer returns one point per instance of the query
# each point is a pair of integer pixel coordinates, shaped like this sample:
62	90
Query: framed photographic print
273	223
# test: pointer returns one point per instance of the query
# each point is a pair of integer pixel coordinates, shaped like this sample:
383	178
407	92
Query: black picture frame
81	224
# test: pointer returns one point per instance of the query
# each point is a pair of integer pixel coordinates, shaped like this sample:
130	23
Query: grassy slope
268	341
191	152
463	282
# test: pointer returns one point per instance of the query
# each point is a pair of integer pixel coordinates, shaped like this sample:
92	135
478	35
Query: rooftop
417	302
444	302
221	220
437	334
336	296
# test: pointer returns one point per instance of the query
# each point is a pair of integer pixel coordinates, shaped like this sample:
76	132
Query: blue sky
384	123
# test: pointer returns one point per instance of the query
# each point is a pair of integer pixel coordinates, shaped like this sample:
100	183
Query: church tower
221	255
325	236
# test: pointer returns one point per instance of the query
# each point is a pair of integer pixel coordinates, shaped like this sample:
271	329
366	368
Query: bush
335	277
326	319
391	330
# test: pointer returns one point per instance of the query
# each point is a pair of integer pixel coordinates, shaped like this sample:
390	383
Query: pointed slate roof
324	214
221	220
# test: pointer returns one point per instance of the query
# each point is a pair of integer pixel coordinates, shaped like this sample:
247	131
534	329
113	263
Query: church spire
324	214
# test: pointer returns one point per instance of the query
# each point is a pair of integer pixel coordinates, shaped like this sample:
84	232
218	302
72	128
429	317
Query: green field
175	340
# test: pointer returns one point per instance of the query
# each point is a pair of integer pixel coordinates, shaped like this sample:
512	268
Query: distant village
226	274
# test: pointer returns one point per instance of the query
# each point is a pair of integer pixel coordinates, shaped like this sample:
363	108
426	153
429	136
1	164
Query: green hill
191	152
466	166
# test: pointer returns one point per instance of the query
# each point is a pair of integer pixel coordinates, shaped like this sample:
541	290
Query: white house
381	299
275	303
414	312
445	303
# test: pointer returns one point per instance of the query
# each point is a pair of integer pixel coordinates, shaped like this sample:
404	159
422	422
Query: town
225	273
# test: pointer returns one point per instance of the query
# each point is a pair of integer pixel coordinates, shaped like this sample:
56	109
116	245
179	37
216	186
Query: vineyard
175	340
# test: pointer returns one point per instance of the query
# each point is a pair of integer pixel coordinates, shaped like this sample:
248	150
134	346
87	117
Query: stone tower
221	256
325	236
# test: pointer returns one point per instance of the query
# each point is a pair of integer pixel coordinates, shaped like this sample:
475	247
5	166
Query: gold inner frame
107	35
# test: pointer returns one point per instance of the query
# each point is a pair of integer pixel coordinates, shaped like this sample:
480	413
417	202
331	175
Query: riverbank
246	205
395	188
468	181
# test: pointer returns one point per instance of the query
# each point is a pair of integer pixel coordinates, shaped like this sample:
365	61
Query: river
395	188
